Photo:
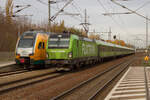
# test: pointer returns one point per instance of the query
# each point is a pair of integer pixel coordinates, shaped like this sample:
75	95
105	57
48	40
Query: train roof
104	43
64	35
36	32
100	42
111	45
82	38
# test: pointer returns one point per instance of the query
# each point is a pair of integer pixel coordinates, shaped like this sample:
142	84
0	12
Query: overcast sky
128	27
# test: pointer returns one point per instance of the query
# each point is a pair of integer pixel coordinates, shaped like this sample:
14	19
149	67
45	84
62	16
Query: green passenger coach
70	49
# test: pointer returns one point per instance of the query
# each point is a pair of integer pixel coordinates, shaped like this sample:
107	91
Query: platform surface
131	86
6	63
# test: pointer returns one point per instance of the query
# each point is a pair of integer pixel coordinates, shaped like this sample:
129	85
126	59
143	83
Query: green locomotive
73	50
69	49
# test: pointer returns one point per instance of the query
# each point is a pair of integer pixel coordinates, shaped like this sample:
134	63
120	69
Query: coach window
106	48
102	48
40	45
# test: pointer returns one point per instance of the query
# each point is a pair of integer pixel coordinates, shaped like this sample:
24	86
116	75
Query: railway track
114	77
10	68
13	69
13	72
79	93
7	64
15	84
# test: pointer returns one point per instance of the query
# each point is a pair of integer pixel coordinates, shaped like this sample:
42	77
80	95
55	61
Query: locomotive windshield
26	41
58	41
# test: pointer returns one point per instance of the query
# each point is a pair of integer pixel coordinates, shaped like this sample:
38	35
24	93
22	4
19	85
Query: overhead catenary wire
121	19
65	13
61	10
33	6
54	8
57	1
102	5
77	9
42	2
37	12
57	8
112	17
130	10
146	3
135	12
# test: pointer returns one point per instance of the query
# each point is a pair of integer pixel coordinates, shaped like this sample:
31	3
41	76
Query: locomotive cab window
57	41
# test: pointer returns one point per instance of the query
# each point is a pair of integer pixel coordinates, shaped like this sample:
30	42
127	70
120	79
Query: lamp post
147	33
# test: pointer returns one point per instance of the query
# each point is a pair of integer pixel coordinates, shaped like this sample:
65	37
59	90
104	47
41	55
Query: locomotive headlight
70	55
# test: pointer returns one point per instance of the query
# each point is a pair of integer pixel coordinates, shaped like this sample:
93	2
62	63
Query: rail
89	80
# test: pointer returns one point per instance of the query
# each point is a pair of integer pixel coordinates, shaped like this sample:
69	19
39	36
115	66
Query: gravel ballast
50	88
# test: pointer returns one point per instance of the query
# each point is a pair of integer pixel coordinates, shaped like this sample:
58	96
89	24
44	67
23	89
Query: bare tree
9	11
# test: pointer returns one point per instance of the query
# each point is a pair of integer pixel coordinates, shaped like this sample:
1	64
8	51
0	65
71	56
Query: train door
98	51
44	46
40	47
77	48
43	50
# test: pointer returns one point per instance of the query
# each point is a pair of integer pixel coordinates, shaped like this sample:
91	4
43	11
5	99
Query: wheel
77	66
28	67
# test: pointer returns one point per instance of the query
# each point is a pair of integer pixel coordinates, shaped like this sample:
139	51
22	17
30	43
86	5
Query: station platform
6	63
132	86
